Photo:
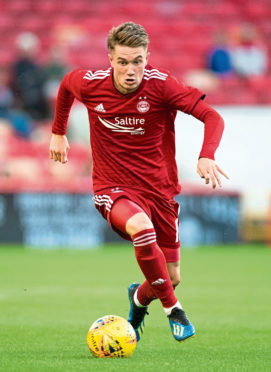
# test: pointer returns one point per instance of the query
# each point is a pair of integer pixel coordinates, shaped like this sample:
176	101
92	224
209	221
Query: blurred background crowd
222	47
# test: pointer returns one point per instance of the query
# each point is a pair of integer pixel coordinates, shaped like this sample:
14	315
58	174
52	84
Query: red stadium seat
47	8
181	33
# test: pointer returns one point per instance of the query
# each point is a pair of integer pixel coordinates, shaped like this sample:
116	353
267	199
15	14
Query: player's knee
175	280
139	222
174	273
175	283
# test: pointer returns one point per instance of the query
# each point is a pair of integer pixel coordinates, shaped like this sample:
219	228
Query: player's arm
190	100
213	130
70	88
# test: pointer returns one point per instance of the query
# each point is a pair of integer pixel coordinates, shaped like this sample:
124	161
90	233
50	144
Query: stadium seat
181	33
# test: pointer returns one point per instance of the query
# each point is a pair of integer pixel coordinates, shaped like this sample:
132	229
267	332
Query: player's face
128	64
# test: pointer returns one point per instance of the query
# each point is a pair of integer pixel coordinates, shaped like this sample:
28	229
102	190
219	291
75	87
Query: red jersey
132	135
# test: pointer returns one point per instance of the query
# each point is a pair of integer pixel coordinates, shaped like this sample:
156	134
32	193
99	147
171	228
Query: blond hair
127	34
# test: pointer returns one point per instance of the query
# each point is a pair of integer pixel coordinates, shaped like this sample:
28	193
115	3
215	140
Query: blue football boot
136	314
180	326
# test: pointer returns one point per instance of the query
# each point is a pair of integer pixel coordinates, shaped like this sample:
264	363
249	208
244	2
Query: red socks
145	294
153	265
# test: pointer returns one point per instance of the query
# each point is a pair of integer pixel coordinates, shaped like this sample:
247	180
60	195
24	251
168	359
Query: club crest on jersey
143	106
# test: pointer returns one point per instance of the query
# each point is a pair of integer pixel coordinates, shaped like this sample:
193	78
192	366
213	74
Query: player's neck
123	90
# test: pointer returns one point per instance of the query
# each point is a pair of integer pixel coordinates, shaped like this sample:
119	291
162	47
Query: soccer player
132	107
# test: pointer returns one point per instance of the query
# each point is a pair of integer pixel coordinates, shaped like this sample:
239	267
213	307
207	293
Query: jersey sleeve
70	88
181	97
213	128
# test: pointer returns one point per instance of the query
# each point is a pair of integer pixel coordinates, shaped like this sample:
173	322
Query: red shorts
162	212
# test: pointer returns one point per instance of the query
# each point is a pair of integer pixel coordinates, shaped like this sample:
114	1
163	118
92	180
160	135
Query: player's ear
110	58
147	57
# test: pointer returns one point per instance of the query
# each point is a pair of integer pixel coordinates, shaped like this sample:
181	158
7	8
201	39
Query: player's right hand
59	147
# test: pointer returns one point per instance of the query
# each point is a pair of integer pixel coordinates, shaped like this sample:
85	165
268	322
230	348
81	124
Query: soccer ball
111	337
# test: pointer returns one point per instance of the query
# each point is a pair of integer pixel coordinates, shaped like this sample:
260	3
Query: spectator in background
17	119
249	58
219	56
54	70
6	95
6	136
28	77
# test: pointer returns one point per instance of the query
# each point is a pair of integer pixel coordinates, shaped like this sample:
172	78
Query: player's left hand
208	169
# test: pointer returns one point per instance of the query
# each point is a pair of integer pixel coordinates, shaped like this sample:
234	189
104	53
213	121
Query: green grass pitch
49	299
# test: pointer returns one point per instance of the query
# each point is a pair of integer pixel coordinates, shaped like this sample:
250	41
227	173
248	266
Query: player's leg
151	260
167	225
179	323
174	273
148	254
123	209
145	294
166	222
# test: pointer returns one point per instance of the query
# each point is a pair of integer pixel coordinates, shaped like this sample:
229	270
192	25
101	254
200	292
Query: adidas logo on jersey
100	108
